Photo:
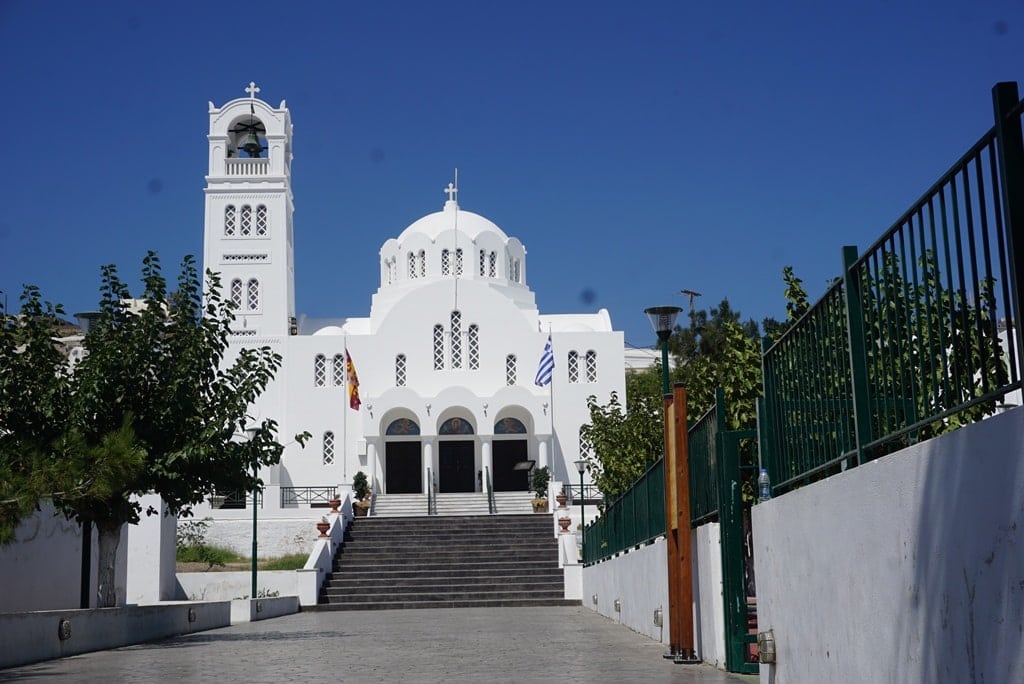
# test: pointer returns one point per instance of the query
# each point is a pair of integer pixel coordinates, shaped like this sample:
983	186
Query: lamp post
581	465
251	434
663	320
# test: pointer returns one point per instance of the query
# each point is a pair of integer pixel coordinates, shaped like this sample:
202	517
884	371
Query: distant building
447	359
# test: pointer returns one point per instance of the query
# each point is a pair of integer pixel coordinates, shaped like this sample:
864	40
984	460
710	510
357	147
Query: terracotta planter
335	504
323	527
561	499
564	524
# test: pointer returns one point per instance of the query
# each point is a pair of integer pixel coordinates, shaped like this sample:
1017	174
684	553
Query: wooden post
680	560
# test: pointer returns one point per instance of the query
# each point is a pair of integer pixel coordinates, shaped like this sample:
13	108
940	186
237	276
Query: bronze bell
252	145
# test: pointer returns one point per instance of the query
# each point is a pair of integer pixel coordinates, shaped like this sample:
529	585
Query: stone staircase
415	505
446	562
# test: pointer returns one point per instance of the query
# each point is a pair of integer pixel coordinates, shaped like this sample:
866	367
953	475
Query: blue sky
637	149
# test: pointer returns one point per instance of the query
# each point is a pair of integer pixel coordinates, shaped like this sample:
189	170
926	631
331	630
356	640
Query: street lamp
663	320
251	434
581	465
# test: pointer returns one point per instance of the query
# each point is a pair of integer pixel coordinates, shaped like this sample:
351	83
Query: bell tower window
229	220
492	264
573	366
483	261
261	220
319	370
338	370
591	361
446	262
246	221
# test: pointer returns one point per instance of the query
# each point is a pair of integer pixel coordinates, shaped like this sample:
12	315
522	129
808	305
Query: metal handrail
492	507
430	493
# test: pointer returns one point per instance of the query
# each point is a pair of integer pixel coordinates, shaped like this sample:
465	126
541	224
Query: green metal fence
636	517
704	465
920	334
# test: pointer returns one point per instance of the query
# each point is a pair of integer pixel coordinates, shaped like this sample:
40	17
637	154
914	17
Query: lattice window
473	342
252	294
586	450
458	261
438	347
246	222
338	370
423	263
236	293
446	262
328	448
591	366
573	366
456	339
229	220
319	370
510	370
492	264
483	262
412	265
261	219
400	376
515	271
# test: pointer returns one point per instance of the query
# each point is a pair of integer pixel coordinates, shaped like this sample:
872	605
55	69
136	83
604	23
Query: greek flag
546	366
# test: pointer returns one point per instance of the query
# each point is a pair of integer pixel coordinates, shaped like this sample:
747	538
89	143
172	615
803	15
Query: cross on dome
252	89
452	192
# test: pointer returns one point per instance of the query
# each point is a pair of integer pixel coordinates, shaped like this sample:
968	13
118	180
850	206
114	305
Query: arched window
586	450
400	370
456	339
319	370
229	220
402	427
423	263
510	370
456	426
438	347
412	265
509	426
515	272
236	293
446	262
246	222
328	452
573	366
483	262
473	341
492	264
252	294
591	366
261	220
458	261
338	370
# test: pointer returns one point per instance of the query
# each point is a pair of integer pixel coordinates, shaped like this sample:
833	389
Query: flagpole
551	400
344	411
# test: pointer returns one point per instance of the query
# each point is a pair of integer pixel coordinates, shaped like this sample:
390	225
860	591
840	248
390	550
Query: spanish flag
353	382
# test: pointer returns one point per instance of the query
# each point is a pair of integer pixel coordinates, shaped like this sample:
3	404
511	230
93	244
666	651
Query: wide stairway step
392	562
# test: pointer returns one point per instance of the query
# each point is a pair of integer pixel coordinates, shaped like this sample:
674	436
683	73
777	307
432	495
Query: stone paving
551	644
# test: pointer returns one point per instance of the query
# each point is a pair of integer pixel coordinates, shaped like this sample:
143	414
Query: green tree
150	408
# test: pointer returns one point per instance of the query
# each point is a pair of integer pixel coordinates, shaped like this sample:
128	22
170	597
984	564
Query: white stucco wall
639	579
275	537
151	555
707	595
41	569
906	569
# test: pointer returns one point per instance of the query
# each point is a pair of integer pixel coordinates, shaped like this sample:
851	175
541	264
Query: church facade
438	386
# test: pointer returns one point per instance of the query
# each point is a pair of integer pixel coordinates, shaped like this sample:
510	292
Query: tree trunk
106	574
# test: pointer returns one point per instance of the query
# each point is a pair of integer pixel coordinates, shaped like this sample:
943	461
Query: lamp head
581	466
663	319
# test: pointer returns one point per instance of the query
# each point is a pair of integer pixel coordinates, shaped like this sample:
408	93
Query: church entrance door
506	453
403	474
455	466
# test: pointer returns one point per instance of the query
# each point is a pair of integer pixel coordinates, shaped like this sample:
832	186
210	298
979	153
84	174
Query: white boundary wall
906	569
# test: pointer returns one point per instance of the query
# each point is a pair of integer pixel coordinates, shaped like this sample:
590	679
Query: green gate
740	613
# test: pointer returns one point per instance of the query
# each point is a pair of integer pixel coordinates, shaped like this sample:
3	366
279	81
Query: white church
446	361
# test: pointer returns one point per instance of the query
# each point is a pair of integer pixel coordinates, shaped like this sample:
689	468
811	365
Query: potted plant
539	484
361	489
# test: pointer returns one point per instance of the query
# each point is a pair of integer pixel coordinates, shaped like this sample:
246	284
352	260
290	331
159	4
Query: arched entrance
403	473
509	448
456	457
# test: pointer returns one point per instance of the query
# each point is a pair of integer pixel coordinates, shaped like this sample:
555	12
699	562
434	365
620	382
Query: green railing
920	333
703	455
635	518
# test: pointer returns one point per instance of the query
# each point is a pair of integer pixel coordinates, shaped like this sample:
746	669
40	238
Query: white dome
451	217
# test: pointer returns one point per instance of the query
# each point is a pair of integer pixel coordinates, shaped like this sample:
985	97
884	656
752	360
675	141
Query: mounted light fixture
663	320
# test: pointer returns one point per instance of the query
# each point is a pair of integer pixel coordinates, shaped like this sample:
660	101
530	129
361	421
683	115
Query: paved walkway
566	644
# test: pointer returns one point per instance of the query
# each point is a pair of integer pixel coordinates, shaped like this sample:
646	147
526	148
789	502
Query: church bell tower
249	206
